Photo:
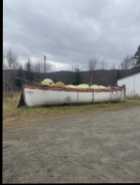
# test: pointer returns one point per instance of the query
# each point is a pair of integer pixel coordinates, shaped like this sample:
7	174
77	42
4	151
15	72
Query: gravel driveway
92	147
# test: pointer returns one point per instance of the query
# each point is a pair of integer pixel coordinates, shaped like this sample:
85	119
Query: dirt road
91	147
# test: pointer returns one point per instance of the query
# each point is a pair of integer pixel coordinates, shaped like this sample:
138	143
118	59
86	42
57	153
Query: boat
38	95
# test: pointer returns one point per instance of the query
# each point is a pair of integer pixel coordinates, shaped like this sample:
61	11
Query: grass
13	114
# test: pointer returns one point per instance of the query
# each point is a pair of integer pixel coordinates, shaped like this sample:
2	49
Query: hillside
103	77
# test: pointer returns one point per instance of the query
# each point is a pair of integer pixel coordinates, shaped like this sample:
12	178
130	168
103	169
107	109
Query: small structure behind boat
132	84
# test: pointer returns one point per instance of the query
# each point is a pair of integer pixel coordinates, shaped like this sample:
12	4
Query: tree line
42	66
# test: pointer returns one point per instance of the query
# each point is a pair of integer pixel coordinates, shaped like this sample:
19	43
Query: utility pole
44	64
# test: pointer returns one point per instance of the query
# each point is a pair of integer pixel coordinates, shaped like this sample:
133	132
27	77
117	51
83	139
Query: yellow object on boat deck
59	84
47	81
84	86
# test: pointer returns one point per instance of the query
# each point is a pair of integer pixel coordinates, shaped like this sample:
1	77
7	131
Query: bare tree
92	66
77	79
48	67
102	63
113	67
72	68
126	63
4	63
44	65
11	59
28	65
37	67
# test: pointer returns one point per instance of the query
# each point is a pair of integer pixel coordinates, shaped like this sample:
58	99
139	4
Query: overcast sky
72	31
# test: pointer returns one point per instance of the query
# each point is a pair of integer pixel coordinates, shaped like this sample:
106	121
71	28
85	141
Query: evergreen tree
137	55
29	73
20	78
77	80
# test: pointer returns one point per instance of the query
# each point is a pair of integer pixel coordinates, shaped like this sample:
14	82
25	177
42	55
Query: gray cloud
72	31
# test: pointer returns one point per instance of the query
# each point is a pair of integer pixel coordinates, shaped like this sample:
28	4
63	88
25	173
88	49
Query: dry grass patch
12	114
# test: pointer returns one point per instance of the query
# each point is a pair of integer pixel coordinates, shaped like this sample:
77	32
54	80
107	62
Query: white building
132	84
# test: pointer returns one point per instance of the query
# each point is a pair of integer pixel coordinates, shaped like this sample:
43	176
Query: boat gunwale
69	89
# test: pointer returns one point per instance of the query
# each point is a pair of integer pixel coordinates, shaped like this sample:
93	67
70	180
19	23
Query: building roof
137	73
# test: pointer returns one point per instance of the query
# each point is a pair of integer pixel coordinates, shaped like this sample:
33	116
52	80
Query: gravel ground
98	147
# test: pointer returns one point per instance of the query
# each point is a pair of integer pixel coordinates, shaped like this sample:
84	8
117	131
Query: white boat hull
39	96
